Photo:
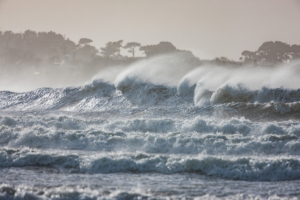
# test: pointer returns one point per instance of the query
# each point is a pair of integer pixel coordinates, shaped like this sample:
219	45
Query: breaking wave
100	95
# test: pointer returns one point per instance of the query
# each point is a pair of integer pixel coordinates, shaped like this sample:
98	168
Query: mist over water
30	78
167	69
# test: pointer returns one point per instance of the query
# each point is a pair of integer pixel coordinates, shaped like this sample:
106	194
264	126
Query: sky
208	28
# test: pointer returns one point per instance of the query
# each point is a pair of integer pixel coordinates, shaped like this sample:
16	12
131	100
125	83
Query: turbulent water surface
212	133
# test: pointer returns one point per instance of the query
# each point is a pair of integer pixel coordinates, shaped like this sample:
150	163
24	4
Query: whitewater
160	128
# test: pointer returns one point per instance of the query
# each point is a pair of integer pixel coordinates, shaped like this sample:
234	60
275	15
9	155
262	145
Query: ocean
149	132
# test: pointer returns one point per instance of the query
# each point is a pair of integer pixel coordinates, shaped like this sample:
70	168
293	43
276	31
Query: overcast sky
209	28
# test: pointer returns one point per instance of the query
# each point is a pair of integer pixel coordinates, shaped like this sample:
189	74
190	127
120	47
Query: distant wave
48	98
94	96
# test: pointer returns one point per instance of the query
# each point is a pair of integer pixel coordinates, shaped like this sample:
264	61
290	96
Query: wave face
138	135
131	93
228	94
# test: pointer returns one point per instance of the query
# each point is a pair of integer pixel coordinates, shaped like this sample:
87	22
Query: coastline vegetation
50	48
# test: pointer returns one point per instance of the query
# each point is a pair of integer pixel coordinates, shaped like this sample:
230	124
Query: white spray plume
165	70
209	79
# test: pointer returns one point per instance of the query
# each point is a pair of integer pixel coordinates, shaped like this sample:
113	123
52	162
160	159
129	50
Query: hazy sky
209	28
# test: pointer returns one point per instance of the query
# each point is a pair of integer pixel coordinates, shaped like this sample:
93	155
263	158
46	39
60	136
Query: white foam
241	168
161	135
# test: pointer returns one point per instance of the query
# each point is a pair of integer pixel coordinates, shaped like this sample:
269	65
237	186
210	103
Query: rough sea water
155	132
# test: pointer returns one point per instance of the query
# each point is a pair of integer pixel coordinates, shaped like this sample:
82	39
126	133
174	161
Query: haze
208	28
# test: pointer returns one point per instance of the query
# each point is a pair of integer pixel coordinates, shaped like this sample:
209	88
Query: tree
161	48
85	41
112	49
131	47
86	53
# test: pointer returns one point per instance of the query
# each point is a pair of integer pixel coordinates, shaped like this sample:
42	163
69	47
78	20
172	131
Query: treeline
40	48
